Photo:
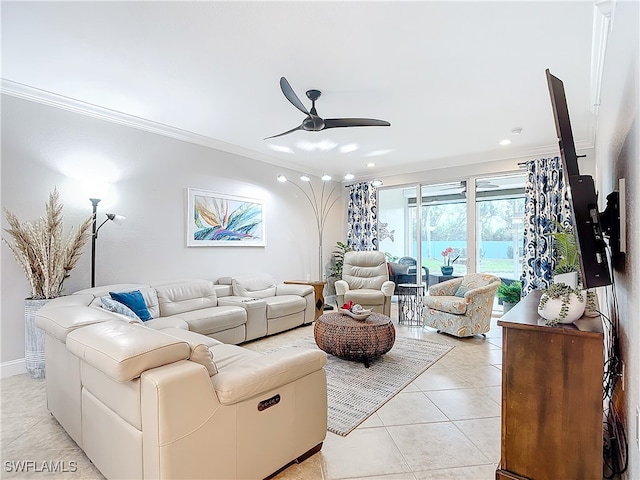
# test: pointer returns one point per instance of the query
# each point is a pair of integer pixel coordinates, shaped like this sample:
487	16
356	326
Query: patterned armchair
462	306
365	280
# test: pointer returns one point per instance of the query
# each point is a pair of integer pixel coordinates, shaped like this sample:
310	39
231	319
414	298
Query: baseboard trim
13	367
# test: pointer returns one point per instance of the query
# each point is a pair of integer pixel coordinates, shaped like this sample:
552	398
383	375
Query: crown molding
36	95
603	11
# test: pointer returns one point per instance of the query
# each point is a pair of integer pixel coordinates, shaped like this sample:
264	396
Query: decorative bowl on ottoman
355	310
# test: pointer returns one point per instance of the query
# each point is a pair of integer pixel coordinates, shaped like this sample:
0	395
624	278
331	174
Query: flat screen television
590	226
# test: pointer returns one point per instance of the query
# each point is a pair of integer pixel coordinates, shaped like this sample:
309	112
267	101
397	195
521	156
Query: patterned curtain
362	217
546	203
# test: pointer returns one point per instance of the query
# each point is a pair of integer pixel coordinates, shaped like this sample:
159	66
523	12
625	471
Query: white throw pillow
114	306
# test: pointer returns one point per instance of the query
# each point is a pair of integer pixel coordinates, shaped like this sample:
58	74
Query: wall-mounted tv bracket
610	223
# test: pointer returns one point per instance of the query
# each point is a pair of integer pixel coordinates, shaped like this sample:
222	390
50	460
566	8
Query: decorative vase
446	270
506	306
33	338
570	279
552	307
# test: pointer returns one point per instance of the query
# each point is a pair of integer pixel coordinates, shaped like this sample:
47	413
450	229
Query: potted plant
510	294
561	303
46	257
335	270
565	252
447	268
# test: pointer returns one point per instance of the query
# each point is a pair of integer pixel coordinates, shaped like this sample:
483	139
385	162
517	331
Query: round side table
346	337
410	304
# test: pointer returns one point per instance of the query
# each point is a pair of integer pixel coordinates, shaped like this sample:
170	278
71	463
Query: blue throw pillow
461	291
113	306
134	301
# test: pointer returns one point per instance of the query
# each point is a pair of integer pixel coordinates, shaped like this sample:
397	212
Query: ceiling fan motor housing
313	123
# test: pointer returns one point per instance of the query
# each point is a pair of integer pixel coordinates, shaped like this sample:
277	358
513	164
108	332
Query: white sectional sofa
233	310
156	399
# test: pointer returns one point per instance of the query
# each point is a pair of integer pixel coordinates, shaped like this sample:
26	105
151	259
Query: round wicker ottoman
345	337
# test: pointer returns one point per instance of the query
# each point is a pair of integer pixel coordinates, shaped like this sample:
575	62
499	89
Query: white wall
617	156
44	147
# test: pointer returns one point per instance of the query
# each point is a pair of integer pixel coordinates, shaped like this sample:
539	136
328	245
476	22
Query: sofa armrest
123	351
293	289
342	287
387	288
61	320
264	373
256	308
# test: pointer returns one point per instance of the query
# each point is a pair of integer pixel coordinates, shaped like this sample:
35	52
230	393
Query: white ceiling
453	78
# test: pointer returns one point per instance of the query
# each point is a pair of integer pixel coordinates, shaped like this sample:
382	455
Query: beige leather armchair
365	280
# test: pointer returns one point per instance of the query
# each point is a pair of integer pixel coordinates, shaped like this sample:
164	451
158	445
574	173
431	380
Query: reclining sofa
233	310
156	399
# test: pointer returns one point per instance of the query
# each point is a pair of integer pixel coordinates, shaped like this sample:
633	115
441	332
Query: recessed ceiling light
280	148
349	176
371	164
322	145
377	153
505	142
352	147
376	183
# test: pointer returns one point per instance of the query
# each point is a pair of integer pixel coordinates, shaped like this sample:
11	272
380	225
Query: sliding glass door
499	225
472	225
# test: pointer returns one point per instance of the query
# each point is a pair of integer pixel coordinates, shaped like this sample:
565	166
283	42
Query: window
424	230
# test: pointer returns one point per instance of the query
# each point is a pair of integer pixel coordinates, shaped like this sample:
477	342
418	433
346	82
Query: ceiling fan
314	123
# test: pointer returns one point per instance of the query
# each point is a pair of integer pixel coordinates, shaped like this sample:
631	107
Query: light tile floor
444	425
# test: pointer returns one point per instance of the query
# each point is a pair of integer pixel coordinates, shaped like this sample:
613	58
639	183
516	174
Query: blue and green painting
226	220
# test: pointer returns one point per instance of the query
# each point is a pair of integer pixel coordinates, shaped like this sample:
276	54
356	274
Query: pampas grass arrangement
43	251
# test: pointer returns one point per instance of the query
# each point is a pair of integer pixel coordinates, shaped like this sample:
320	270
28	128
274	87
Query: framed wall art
217	219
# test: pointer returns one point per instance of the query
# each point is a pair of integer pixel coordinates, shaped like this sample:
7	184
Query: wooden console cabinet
551	398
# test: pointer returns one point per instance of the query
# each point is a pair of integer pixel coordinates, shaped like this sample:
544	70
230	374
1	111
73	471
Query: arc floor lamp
117	219
321	204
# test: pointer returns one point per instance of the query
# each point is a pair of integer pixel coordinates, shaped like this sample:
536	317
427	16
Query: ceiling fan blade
291	96
299	127
354	122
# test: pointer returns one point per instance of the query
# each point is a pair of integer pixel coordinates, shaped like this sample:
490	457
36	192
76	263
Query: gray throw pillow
114	306
461	291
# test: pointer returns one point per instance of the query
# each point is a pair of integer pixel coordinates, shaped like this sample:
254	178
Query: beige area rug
355	392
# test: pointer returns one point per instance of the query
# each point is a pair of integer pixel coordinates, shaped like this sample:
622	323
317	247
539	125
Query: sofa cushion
449	304
185	296
113	306
135	301
248	378
162	323
284	305
123	351
365	296
259	285
215	319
